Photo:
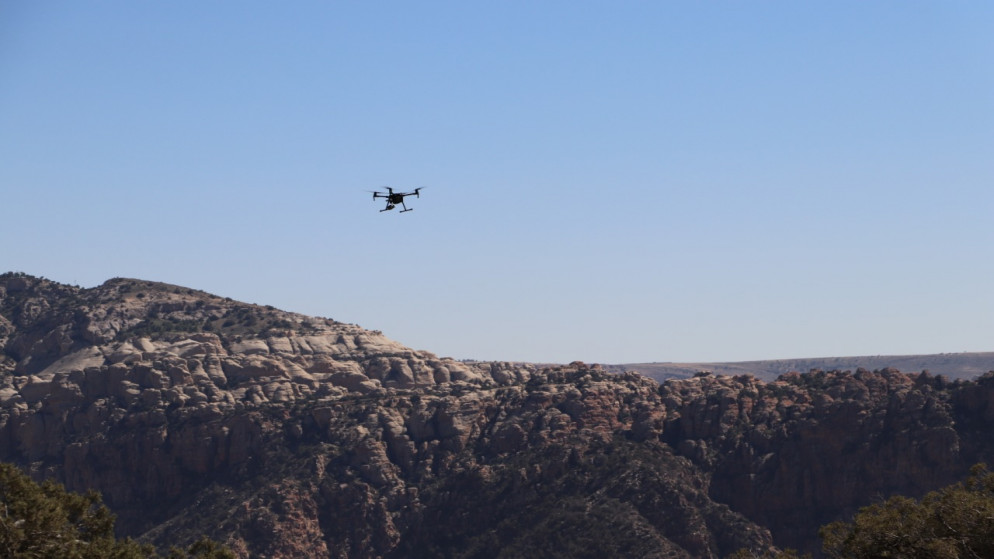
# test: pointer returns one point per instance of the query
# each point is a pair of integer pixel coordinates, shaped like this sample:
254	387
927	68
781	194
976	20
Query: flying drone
394	198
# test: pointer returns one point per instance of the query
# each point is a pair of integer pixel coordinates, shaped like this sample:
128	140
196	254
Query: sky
610	182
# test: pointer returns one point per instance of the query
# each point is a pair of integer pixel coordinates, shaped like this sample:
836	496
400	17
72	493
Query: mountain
965	365
284	435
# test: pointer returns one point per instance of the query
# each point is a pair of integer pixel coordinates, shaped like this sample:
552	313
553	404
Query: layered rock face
808	449
284	435
546	467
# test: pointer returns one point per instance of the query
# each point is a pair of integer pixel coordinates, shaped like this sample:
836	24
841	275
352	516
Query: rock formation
285	435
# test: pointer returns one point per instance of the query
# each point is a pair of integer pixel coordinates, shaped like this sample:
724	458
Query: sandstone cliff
285	435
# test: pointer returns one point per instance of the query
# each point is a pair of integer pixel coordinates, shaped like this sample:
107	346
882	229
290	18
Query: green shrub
957	521
46	521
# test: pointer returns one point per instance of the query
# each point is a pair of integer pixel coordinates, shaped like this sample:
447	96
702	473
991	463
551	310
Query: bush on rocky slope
45	520
956	521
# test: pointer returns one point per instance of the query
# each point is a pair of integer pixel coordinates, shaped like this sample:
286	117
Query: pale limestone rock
179	376
36	390
191	348
215	371
174	396
125	353
377	343
324	365
300	345
6	326
395	436
250	347
197	373
458	418
79	360
298	373
440	373
330	344
254	395
9	395
280	345
129	392
368	386
349	380
459	371
252	367
151	376
502	377
400	374
280	392
195	396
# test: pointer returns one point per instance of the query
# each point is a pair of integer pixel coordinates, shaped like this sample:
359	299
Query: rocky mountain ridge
965	365
285	436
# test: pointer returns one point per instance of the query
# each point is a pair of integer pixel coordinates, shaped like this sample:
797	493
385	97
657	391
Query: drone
394	198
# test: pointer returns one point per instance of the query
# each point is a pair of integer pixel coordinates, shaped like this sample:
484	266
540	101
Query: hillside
964	366
284	435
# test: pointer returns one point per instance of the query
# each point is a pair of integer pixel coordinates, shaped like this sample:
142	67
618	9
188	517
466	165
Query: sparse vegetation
157	327
953	522
45	520
575	499
956	521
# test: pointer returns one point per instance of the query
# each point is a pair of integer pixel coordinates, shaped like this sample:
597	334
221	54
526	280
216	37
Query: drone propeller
389	193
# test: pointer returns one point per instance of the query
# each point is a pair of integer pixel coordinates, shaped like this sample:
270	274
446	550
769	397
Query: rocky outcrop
285	436
556	461
808	449
297	436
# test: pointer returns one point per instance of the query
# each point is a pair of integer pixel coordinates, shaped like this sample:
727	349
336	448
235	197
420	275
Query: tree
46	521
954	522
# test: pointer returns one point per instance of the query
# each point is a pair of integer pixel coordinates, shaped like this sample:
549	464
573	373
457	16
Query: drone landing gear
407	210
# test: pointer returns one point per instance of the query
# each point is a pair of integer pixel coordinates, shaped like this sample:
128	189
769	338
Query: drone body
394	198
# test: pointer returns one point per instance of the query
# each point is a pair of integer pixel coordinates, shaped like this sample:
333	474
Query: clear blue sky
606	181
